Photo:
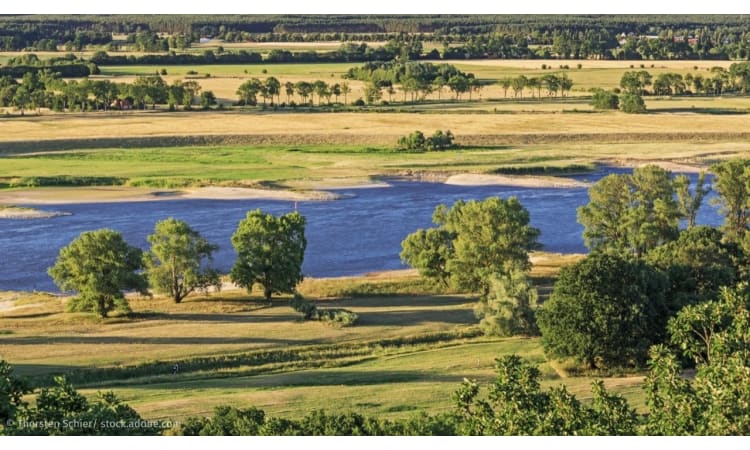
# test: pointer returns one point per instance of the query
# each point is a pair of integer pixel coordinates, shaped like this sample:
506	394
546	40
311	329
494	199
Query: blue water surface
358	234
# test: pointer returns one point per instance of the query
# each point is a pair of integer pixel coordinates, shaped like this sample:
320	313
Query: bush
632	104
299	304
338	317
417	141
359	102
605	311
332	316
604	100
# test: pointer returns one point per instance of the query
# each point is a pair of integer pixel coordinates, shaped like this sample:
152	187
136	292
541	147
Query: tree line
271	88
462	36
552	83
47	89
415	79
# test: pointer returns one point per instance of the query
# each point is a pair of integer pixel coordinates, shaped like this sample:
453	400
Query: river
354	235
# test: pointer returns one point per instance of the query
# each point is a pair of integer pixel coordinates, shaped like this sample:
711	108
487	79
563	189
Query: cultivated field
377	128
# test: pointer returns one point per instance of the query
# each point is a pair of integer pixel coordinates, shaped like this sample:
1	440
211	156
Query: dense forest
460	36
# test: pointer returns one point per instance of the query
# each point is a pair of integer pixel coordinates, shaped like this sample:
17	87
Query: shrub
605	311
332	316
632	104
604	100
338	317
417	141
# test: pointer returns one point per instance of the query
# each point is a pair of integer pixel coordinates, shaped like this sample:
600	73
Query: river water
354	235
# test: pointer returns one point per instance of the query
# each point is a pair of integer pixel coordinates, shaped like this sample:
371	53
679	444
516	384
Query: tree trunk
267	294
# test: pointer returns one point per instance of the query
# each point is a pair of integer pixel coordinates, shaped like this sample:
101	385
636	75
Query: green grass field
317	166
409	352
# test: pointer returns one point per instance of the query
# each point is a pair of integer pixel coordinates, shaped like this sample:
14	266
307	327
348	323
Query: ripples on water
351	236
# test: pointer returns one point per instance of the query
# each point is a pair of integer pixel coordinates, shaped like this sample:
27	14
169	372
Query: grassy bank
409	352
319	166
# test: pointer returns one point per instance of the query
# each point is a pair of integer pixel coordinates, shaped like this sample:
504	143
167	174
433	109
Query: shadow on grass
306	378
710	111
457	317
99	340
395	300
29	316
238	317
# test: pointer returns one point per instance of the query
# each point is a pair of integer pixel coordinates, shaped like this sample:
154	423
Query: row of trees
271	87
100	266
416	79
551	83
735	79
47	89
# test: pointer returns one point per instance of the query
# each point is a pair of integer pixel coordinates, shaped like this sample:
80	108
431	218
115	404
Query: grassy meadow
409	352
307	166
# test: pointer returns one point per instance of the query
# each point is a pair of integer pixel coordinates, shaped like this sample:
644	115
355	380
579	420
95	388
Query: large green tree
509	307
733	186
487	237
175	263
631	213
428	251
492	236
716	336
99	265
270	251
604	311
698	264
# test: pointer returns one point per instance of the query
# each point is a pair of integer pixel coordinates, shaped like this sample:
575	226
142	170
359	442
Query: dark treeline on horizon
461	36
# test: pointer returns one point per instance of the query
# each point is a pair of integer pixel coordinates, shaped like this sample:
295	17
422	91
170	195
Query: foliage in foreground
714	402
605	311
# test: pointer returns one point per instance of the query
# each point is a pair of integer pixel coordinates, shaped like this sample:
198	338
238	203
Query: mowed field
375	127
408	353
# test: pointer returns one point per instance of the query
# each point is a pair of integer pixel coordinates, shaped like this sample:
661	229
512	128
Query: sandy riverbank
15	212
476	179
666	165
64	195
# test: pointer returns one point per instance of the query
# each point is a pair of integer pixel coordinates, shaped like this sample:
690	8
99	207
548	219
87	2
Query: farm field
376	128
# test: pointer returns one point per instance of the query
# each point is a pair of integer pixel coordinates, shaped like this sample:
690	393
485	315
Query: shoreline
320	190
530	181
118	194
21	213
675	167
